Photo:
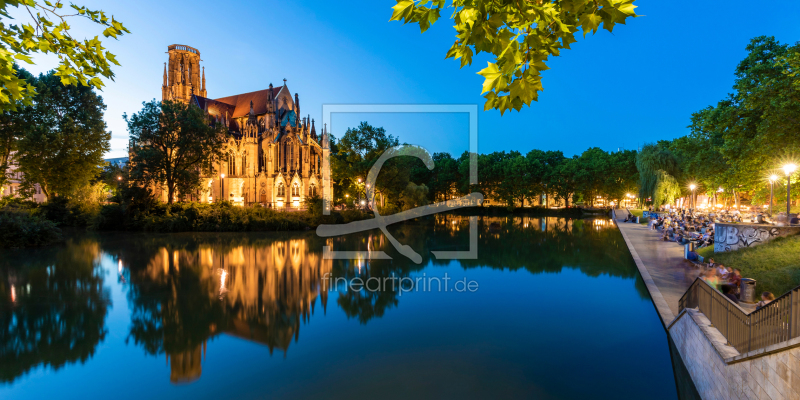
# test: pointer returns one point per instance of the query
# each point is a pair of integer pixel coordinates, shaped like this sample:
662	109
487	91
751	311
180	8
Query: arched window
244	164
296	190
231	165
281	190
312	190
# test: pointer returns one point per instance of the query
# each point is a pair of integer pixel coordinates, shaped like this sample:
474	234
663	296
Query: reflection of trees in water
52	307
185	289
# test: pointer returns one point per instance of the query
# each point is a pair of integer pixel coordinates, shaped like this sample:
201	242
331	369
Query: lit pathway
662	266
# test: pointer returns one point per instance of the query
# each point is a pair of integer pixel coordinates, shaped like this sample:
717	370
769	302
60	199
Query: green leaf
491	75
402	10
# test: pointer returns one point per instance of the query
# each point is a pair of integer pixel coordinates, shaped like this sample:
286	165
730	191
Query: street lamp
788	169
119	178
772	179
693	187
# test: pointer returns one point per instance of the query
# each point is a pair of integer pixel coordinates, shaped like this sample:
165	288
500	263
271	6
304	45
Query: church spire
165	75
313	130
203	89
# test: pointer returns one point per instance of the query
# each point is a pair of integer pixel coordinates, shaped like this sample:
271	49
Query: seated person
727	290
766	298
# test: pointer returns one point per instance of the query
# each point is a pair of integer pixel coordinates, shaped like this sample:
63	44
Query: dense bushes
20	228
216	217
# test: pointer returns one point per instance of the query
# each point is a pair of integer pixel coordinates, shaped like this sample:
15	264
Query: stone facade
720	372
730	237
273	156
15	183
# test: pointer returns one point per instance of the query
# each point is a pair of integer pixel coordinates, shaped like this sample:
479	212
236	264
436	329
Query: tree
658	168
172	144
520	34
65	136
13	126
47	31
357	152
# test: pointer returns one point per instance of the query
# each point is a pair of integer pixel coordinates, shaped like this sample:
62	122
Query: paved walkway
662	266
664	263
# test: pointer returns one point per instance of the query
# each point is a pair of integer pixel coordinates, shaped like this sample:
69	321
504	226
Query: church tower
183	75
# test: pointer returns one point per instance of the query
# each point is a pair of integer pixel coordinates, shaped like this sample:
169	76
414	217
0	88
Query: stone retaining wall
729	237
720	372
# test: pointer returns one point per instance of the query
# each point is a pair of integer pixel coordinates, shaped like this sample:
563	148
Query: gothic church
273	156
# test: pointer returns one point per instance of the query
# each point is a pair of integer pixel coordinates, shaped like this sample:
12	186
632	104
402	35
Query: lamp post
221	187
789	169
693	187
119	178
772	179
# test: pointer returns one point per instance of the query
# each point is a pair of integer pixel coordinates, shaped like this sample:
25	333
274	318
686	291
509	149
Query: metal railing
774	323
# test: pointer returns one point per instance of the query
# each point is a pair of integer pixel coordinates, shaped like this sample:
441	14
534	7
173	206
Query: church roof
241	102
215	108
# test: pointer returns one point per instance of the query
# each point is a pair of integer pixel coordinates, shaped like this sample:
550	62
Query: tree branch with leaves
520	34
47	31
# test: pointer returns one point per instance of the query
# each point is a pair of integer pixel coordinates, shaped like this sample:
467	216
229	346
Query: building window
231	165
296	190
312	190
244	164
281	190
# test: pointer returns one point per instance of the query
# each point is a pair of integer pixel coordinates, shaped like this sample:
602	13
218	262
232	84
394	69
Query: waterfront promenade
662	266
664	270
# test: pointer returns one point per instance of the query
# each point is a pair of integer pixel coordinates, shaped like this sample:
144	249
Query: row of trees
509	177
735	146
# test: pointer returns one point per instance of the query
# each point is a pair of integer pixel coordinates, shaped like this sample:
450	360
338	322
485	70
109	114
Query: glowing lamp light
362	202
789	169
693	186
119	178
222	176
359	180
773	178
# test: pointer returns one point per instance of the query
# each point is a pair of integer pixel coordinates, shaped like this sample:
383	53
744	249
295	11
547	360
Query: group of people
729	282
683	227
726	280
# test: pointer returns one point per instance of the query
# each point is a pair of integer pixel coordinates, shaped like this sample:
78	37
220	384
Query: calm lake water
557	310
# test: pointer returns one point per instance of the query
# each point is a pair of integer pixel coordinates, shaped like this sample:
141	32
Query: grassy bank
774	265
640	214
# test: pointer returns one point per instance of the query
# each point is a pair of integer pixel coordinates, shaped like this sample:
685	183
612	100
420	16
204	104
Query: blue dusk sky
639	84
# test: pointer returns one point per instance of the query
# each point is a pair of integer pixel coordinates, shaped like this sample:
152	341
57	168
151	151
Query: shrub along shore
27	224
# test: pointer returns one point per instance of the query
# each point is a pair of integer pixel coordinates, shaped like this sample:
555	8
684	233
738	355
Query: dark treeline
510	179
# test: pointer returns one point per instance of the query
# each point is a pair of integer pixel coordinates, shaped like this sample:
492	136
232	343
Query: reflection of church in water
266	292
